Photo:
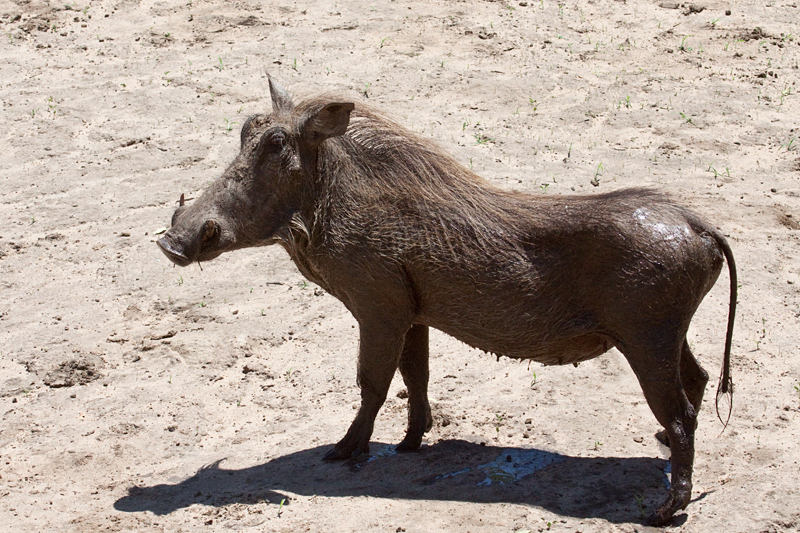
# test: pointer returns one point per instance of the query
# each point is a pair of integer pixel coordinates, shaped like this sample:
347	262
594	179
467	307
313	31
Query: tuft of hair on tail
725	386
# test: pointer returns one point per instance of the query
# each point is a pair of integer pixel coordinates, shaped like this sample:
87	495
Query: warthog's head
269	181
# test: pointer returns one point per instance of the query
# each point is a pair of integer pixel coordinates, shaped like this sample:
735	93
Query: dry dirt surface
136	396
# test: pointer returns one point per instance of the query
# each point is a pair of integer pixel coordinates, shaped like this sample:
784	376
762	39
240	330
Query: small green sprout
229	125
598	171
498	420
788	145
784	93
480	138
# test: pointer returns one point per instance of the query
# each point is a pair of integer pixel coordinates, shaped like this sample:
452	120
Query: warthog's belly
545	345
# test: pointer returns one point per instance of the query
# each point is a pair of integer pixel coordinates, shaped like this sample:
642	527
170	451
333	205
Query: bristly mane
380	166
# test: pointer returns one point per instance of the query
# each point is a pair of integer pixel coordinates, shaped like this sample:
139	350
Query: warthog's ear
281	101
330	121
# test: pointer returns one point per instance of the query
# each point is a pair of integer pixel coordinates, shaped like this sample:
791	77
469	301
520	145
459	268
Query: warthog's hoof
335	455
408	445
676	501
340	453
662	437
413	439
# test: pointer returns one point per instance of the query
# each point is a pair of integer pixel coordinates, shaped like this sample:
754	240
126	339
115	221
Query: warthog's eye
271	145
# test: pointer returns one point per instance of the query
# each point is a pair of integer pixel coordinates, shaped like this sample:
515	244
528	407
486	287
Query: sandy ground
141	397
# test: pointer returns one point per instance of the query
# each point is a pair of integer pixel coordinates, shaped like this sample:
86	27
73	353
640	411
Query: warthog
409	239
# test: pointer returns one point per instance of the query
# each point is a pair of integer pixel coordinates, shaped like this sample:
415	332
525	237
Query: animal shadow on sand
617	489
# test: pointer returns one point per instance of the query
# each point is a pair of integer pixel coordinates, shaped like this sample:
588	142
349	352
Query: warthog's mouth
174	255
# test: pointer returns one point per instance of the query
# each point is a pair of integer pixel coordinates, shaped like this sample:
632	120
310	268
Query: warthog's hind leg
693	379
378	356
414	369
657	369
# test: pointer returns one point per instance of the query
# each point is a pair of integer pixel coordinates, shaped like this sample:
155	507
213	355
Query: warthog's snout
183	247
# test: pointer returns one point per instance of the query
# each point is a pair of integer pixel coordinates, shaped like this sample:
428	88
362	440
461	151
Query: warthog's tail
725	386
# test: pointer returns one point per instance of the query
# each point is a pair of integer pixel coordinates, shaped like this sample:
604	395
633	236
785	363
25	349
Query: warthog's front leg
378	355
414	368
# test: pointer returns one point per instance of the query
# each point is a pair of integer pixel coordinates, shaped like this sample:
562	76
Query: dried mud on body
141	397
